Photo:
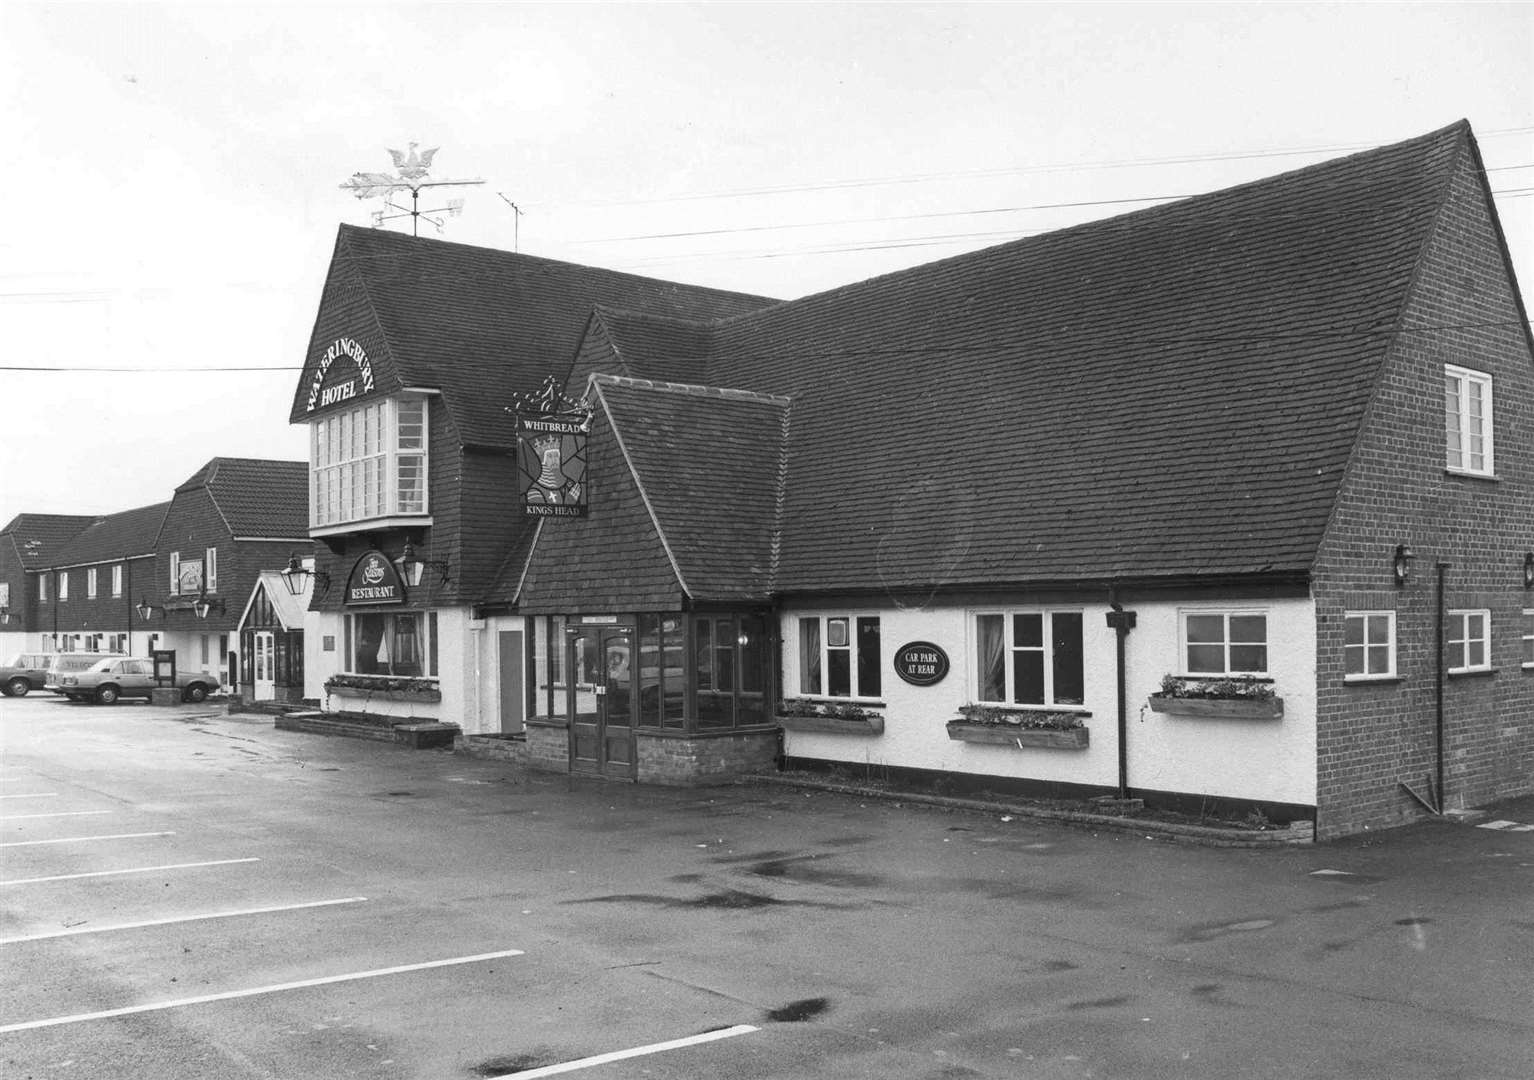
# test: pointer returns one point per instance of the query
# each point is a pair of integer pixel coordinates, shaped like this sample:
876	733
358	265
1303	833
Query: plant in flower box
1219	697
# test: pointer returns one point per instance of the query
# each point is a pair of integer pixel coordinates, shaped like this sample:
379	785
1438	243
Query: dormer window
368	463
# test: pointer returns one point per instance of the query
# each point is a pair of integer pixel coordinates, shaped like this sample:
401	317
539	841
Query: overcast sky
173	193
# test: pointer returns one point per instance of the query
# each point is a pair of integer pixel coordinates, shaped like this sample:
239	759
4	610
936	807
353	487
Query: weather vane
412	177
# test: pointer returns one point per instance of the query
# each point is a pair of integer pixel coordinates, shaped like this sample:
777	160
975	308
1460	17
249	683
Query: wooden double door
602	704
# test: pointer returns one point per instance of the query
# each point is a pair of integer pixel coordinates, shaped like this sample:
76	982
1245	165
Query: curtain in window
990	650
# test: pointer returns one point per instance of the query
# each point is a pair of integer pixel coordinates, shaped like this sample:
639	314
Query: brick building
172	576
1225	501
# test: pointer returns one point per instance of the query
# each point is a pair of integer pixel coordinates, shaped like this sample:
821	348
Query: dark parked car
130	676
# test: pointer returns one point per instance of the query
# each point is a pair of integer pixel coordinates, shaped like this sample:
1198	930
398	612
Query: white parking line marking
114	873
621	1055
62	813
1497	825
230	995
33	795
180	919
1330	873
84	839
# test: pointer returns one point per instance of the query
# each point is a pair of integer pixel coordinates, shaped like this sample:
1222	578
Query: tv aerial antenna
412	169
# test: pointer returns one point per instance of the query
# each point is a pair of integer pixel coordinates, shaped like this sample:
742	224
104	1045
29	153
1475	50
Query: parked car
130	676
63	663
24	672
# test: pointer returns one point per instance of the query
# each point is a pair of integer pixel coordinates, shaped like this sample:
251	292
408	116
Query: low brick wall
548	745
679	760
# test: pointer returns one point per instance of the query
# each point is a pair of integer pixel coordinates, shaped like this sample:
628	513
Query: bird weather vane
412	175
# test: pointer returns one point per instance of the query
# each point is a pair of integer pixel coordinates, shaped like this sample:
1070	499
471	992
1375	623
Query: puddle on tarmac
726	899
510	1064
798	1011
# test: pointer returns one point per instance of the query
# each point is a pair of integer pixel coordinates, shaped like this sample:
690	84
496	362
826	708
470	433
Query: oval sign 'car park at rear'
921	663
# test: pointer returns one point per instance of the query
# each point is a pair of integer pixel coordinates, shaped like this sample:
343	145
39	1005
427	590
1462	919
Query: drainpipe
1121	622
1442	802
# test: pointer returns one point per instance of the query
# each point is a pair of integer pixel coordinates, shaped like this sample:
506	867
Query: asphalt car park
185	893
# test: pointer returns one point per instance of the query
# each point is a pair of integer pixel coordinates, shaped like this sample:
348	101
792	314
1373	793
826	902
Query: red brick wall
680	761
1372	739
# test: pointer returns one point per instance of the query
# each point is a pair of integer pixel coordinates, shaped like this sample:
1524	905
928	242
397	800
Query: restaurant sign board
921	663
374	580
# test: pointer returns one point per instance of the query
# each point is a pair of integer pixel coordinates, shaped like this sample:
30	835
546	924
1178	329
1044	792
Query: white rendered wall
1269	760
1252	759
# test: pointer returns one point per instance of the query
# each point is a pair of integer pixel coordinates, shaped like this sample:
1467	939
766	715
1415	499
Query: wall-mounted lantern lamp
5	614
203	606
295	572
1528	569
146	610
1401	564
411	569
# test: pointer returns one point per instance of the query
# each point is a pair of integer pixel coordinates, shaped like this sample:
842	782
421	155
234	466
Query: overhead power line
1020	170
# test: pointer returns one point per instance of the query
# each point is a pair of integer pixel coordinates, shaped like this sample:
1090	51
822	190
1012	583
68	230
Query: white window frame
425	632
1457	633
359	459
175	573
42	587
1009	650
117	579
90	582
1528	638
1227	613
1457	422
824	621
1364	647
210	570
63	585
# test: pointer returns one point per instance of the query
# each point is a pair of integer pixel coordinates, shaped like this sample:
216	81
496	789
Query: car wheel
18	687
107	695
195	693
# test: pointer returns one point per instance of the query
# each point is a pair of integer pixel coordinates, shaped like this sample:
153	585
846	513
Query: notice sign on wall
921	663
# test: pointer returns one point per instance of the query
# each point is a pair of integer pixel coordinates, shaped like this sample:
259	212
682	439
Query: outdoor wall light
295	572
1528	569
411	568
203	606
5	614
145	609
1401	564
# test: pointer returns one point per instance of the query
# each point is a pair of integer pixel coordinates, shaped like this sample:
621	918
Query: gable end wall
1373	738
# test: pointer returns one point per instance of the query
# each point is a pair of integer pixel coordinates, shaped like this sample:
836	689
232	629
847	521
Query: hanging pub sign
374	580
551	451
921	663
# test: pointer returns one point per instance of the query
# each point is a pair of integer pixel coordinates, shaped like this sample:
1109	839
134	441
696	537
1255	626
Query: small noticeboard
164	666
921	663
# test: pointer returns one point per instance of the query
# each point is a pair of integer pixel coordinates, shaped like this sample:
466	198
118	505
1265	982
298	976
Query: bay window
368	462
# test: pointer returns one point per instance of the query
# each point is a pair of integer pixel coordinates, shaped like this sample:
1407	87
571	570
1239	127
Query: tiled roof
38	538
481	324
665	349
708	461
1171	392
256	496
115	536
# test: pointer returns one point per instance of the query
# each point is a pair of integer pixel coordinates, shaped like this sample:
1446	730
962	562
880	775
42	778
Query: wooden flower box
1019	737
835	725
1219	708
